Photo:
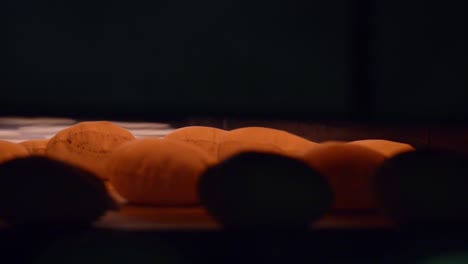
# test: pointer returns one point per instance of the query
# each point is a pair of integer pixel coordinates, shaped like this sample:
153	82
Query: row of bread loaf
165	171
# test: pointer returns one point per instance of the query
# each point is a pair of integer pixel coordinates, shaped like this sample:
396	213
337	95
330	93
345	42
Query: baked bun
291	144
158	171
88	144
10	150
349	169
385	147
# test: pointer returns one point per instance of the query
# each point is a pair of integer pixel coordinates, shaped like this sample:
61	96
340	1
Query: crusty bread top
88	144
291	144
35	146
158	171
204	137
385	147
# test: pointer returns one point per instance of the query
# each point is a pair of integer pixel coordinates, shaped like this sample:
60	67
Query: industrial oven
329	72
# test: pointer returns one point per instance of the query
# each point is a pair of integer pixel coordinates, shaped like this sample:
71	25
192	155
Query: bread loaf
349	169
10	150
35	146
47	193
204	137
425	189
385	147
158	171
88	144
264	191
291	144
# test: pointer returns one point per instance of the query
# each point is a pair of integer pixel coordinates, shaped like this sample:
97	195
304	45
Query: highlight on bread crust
204	137
88	144
291	144
263	191
35	146
47	193
158	171
332	142
10	150
114	194
349	170
385	147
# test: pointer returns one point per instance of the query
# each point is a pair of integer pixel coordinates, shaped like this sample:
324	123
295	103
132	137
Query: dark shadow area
319	246
115	59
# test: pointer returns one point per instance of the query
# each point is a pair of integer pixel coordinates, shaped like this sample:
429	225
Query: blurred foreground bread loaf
158	171
349	169
35	146
425	188
43	192
264	191
88	144
10	150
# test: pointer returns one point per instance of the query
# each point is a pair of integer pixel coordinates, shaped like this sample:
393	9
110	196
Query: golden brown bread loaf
204	137
333	141
385	147
88	144
35	146
10	150
158	171
291	144
349	169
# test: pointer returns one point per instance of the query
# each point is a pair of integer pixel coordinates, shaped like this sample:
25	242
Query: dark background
343	60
